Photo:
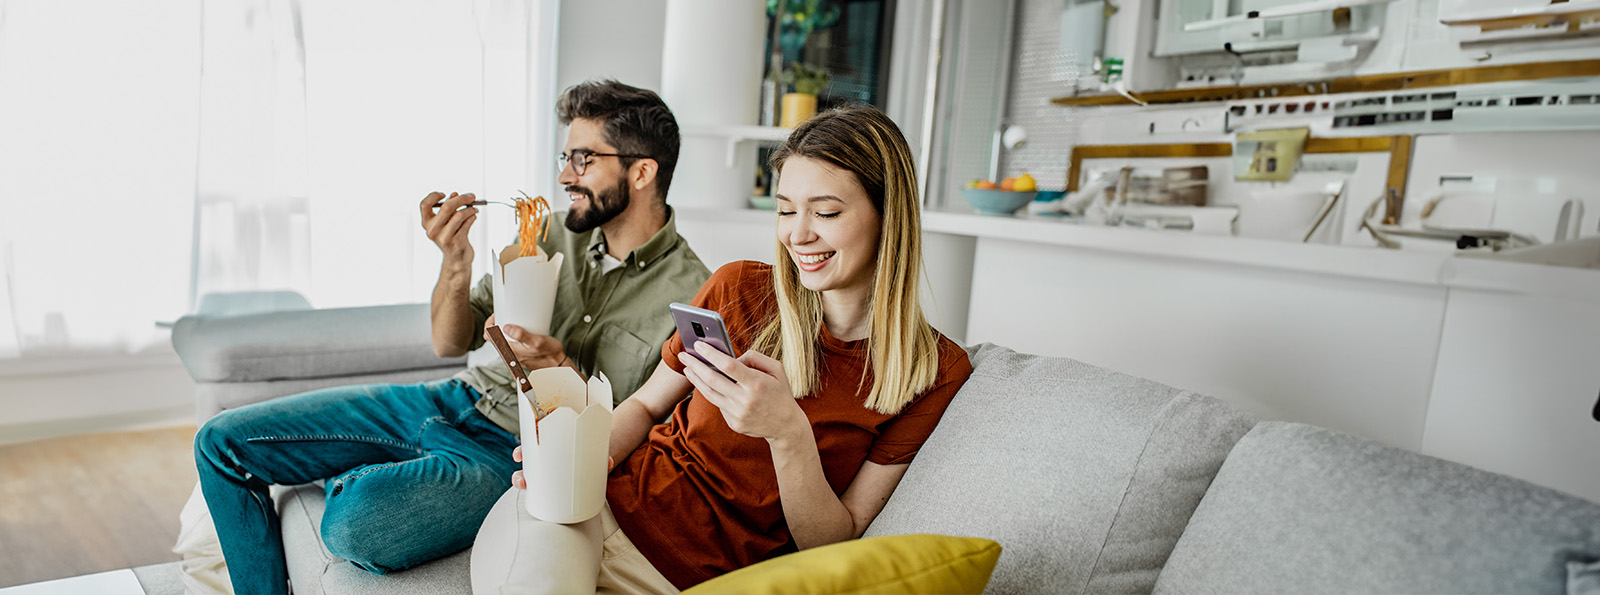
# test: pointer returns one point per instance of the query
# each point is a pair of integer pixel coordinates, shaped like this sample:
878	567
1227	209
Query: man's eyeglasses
579	160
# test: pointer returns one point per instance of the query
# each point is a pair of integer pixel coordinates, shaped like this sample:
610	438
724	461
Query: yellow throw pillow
890	564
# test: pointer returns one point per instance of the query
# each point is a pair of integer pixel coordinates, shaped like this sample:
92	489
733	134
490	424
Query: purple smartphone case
715	332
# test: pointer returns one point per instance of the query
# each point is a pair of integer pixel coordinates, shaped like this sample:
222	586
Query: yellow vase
797	108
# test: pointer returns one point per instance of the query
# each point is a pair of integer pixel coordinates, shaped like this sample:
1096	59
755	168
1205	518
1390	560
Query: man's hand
447	221
533	351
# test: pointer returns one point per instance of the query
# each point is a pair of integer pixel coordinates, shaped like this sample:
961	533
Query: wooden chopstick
498	338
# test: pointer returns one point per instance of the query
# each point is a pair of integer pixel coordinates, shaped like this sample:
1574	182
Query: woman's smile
813	262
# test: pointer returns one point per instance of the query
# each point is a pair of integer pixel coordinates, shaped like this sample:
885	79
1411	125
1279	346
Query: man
411	470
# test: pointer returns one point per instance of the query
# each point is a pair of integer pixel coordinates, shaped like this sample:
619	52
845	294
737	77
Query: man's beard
603	207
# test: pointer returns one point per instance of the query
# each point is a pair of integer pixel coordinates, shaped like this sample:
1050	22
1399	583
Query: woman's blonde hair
904	348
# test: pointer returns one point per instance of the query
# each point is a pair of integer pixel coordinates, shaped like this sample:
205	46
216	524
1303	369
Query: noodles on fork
533	223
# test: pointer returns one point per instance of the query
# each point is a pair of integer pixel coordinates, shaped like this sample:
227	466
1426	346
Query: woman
803	441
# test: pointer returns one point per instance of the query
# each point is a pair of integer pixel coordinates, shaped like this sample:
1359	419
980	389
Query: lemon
1025	183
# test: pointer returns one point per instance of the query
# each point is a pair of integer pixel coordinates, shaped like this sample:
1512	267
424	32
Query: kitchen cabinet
1518	376
1470	33
1221	43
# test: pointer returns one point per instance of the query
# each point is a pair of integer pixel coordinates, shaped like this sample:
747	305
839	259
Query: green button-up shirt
613	322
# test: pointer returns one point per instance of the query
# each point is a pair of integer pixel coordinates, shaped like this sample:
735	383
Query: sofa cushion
901	564
1302	509
307	343
315	570
1085	476
211	398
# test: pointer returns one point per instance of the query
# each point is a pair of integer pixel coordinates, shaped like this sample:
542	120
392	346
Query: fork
479	203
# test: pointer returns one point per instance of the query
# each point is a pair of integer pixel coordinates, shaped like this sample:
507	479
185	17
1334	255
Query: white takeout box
525	292
566	465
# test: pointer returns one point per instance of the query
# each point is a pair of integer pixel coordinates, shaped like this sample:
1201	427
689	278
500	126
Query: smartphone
697	325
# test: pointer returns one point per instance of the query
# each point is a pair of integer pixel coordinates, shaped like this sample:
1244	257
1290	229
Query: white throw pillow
205	572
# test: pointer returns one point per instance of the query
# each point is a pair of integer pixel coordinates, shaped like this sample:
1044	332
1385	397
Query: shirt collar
646	254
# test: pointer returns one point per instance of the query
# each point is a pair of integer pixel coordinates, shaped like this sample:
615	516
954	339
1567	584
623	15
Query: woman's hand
522	483
754	396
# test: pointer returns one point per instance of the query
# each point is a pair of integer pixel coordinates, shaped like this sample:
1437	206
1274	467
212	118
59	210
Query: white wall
721	236
82	395
617	39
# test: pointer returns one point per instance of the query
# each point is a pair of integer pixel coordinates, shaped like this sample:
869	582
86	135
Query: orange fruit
1008	184
985	184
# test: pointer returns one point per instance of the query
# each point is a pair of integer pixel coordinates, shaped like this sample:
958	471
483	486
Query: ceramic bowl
1050	195
996	202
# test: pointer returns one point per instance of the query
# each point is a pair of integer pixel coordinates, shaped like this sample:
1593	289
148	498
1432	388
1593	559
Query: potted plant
808	82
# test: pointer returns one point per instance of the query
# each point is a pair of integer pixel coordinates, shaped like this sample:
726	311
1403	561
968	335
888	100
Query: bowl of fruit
1003	199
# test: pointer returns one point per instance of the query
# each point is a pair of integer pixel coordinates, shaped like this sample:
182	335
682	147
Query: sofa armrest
304	344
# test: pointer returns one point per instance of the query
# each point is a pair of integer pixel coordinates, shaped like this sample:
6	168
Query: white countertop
1394	266
1368	263
1522	278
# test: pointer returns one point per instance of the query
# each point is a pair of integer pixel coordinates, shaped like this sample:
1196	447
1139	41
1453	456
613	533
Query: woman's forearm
631	421
630	425
815	515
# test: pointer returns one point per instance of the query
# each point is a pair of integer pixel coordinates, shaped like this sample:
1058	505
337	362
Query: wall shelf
1570	14
1357	84
739	134
1279	12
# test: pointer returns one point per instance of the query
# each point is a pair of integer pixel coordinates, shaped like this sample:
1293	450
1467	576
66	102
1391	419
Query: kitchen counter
1395	266
1347	261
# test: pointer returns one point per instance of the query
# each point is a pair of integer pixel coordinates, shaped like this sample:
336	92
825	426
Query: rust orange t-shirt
700	500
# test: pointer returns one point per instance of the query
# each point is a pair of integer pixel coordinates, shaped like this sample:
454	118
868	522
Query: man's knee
372	542
214	442
385	517
377	557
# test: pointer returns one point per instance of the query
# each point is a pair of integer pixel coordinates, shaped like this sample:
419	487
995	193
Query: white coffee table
116	582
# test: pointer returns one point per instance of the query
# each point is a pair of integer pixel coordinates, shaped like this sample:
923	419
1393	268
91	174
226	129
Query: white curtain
252	203
389	103
158	151
98	103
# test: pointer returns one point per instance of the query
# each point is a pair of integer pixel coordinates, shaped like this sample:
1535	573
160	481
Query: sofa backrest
307	343
1086	477
1303	509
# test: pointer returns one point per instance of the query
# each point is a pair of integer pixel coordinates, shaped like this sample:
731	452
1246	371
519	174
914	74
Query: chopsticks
498	338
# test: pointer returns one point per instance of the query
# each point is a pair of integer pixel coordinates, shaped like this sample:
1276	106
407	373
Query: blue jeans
411	472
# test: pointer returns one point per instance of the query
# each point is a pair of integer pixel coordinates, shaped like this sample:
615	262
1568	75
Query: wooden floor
85	504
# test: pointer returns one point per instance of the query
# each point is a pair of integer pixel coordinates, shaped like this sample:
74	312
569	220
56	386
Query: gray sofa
239	359
1093	481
